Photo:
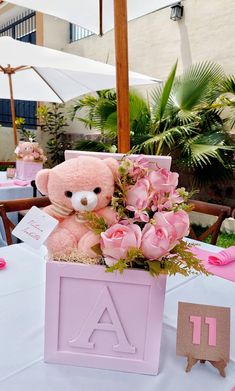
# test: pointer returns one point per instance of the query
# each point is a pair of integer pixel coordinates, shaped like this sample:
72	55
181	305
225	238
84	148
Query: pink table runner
224	271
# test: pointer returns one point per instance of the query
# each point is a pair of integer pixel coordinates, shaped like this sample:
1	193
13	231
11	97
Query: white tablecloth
22	368
12	193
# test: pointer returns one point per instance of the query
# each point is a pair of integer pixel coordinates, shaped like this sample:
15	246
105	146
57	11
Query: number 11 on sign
197	326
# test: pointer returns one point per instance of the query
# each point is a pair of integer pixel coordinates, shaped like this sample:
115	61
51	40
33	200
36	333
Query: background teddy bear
76	186
30	151
25	151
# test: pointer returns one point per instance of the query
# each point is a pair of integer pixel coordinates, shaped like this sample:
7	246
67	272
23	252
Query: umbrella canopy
43	74
31	72
100	16
95	15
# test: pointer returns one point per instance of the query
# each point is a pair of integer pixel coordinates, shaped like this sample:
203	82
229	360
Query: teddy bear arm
87	242
61	241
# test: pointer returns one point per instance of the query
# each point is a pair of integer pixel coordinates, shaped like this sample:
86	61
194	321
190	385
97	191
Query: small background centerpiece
30	159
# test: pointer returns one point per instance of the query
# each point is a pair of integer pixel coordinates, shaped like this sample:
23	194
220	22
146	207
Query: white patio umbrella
95	15
100	16
31	72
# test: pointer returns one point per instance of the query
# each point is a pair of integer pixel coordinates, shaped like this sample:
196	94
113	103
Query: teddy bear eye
97	190
68	194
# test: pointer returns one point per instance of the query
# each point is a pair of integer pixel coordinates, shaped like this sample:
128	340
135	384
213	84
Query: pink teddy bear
30	151
25	151
76	186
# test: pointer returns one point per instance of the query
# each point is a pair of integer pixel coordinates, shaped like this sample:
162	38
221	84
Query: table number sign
203	334
35	227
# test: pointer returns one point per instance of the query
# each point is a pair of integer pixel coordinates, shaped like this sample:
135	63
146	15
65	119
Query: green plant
95	146
53	121
189	119
100	112
224	240
187	122
25	134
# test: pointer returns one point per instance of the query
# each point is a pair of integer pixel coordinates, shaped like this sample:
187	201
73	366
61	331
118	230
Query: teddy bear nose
84	201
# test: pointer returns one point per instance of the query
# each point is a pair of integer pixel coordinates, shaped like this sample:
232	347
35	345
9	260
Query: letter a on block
104	303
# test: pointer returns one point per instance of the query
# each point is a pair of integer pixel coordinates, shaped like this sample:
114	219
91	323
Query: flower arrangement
152	220
29	151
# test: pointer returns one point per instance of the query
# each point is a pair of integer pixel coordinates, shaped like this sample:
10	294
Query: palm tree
189	118
188	122
100	112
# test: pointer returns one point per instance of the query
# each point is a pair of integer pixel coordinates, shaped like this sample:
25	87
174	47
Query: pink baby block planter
103	320
26	171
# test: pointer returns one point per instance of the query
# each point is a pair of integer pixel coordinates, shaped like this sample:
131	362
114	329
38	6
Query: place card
203	334
35	227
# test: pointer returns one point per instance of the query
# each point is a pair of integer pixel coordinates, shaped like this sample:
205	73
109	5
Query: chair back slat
7	164
16	206
221	211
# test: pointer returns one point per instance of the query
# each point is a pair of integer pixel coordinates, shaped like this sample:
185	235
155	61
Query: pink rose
158	239
163	180
179	221
117	240
137	199
36	155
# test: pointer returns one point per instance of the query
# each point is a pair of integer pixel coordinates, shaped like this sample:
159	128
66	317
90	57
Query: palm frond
228	85
193	88
88	102
203	150
161	95
91	145
169	137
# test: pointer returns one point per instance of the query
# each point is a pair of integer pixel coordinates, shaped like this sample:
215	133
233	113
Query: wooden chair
16	206
233	213
221	211
7	164
22	213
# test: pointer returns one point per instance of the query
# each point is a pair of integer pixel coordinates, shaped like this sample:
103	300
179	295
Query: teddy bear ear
41	180
113	165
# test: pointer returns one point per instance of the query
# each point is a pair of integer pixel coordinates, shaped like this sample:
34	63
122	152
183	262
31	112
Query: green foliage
53	121
224	240
25	134
180	260
189	119
100	112
95	146
95	223
133	259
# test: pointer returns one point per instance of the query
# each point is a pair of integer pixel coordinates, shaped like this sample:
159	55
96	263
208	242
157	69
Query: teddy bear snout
84	201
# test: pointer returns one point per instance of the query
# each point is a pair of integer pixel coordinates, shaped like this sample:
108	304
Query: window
78	32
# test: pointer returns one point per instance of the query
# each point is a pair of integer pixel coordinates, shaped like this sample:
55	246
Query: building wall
206	33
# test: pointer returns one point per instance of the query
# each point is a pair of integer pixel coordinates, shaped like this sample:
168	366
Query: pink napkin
16	182
226	271
223	257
